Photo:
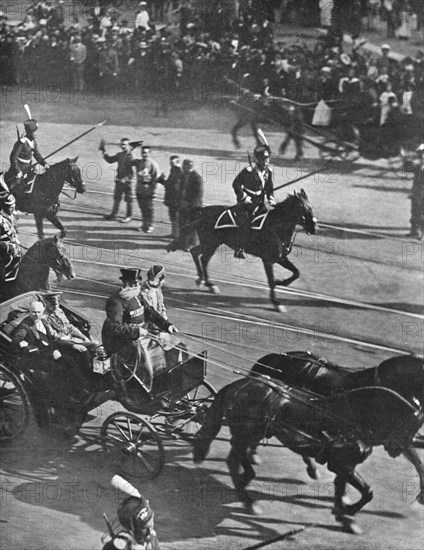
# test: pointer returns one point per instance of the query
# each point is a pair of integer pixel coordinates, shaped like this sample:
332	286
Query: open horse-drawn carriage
61	393
350	131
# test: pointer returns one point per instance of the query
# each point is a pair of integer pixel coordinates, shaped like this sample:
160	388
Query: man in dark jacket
417	198
123	178
295	130
191	201
127	314
173	188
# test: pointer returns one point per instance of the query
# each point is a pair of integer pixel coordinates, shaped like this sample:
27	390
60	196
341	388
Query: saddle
228	219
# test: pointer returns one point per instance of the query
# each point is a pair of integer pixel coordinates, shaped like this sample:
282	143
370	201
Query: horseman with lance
22	155
10	250
252	186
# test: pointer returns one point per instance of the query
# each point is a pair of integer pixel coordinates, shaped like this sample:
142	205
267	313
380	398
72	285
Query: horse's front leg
54	219
286	263
342	512
411	454
269	270
39	225
239	457
234	132
207	251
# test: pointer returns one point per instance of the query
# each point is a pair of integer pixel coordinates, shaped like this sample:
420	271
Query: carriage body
175	406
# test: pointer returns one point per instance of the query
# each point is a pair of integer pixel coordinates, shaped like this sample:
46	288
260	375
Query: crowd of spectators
193	52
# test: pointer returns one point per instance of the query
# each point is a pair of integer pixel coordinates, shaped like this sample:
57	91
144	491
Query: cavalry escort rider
252	186
21	157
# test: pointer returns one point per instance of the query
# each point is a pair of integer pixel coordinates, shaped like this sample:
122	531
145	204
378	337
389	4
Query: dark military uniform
20	160
417	202
123	180
251	187
9	247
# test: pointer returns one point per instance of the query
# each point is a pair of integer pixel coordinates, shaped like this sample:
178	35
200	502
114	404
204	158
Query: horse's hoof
253	509
199	282
349	524
313	473
280	308
214	289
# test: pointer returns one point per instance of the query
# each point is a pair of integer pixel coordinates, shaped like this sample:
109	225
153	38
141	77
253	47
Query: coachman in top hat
21	157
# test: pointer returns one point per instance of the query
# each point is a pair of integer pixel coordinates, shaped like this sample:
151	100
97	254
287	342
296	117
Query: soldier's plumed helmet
134	515
30	125
262	151
9	201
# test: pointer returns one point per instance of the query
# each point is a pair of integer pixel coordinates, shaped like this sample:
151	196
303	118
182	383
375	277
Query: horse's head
74	177
302	211
54	255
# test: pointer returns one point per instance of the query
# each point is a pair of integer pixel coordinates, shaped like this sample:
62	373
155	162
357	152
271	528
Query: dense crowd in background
171	48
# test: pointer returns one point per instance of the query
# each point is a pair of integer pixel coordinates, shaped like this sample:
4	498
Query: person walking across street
147	176
173	188
417	198
123	178
295	130
191	201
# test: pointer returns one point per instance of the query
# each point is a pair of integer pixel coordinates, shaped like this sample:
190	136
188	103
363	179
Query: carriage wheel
184	418
134	445
14	405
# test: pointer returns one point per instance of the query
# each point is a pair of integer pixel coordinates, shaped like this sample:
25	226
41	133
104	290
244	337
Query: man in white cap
417	198
10	251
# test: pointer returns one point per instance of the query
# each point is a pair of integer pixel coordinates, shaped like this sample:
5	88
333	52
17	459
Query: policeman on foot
252	186
21	157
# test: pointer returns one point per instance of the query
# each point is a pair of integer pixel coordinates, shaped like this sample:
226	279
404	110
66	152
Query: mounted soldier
22	155
252	186
10	251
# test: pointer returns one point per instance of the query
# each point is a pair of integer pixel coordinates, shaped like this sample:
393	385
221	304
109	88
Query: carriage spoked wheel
134	445
14	405
183	419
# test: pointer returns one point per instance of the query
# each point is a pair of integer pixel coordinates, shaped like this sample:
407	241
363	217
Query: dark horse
338	430
43	200
403	374
273	243
34	268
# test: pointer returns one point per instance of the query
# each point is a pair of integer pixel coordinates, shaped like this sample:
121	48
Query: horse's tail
210	427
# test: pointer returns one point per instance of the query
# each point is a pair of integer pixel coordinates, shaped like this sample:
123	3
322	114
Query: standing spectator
384	102
417	198
142	19
389	11
191	201
147	175
295	129
173	188
78	57
108	66
124	177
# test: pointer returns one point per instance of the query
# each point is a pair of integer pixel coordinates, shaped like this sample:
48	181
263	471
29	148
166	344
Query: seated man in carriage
252	186
21	157
125	326
69	338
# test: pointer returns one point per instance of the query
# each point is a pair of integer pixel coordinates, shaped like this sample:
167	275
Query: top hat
131	275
